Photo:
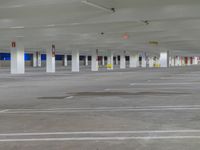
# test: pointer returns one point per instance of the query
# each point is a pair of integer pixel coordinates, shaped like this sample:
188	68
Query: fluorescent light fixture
17	27
17	6
51	25
98	6
20	36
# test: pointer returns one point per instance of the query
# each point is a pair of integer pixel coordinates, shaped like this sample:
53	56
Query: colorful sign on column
13	44
53	50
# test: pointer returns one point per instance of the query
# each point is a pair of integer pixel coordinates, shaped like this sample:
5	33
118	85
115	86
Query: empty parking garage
99	75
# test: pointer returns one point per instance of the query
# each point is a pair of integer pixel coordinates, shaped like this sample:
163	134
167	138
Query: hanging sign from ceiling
13	44
53	50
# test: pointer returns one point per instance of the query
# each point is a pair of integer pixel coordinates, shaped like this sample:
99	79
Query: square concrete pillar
164	59
151	62
17	58
35	59
122	61
134	61
172	61
39	59
75	61
94	64
103	61
86	60
195	60
144	63
110	64
65	60
50	62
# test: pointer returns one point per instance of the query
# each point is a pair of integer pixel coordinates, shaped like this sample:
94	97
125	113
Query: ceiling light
20	36
17	6
112	10
17	27
153	42
147	22
51	25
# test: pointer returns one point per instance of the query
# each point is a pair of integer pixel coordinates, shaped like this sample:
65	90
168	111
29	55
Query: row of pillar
180	61
18	64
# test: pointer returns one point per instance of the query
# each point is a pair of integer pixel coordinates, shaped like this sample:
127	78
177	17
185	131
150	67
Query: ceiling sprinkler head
146	22
113	9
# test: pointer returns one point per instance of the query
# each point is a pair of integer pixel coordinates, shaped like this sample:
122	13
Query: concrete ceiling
71	24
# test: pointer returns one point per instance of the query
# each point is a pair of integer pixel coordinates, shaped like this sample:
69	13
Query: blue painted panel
59	57
4	56
43	57
28	57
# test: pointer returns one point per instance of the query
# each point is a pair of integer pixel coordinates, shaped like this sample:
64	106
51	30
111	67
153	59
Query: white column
35	59
172	61
195	61
151	62
122	61
86	60
134	61
103	61
110	61
190	63
65	60
39	59
75	61
50	62
182	61
177	61
17	58
164	59
144	63
117	62
94	61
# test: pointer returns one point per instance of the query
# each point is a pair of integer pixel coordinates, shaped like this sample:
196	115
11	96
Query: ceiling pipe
111	10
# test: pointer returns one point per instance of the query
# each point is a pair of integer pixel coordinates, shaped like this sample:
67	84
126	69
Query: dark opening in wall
140	58
4	56
43	57
69	57
7	56
59	57
82	58
89	58
28	57
127	58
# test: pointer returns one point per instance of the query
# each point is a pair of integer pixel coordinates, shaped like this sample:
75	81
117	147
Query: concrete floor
140	109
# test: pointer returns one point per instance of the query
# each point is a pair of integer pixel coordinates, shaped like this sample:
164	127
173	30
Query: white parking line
101	135
100	132
182	83
101	138
70	97
102	109
2	111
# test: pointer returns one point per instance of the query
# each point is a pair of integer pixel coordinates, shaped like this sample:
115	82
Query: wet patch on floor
106	94
149	93
56	97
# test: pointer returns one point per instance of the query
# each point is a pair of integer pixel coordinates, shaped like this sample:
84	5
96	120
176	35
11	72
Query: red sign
125	36
13	44
53	50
